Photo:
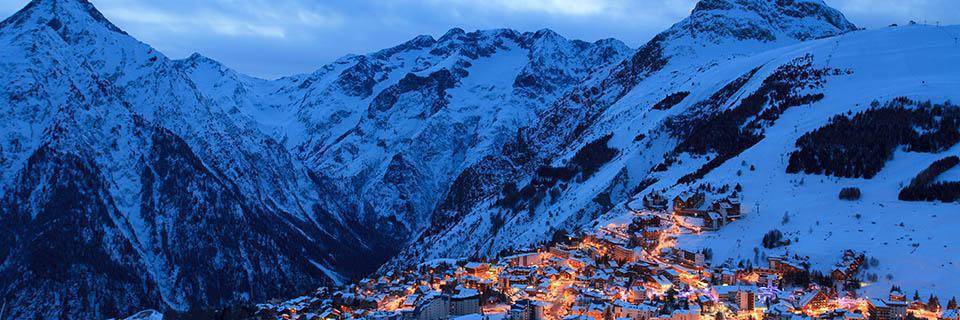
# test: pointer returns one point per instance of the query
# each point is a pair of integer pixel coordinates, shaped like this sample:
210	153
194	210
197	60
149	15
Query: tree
850	194
933	303
773	239
952	304
923	187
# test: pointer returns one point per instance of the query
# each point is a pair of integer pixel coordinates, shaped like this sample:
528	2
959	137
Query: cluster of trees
774	239
804	278
671	100
594	155
850	194
584	164
923	187
731	131
859	146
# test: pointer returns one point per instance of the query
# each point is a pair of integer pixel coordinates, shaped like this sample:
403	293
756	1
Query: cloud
561	7
271	38
876	13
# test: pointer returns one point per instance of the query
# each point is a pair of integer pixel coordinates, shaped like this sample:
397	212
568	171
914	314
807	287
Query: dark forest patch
923	187
859	146
671	100
549	179
729	132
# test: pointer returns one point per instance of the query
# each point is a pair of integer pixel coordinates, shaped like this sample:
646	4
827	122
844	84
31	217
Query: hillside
152	166
129	180
124	188
745	103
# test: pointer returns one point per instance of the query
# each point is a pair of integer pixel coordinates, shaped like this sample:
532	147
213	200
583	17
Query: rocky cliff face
396	126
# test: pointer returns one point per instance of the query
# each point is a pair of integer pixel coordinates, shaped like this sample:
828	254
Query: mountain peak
765	20
197	60
59	13
453	32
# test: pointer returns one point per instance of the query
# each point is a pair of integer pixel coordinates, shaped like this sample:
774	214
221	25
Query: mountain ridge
465	145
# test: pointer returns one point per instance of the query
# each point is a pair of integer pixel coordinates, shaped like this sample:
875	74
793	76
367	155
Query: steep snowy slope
397	125
915	242
700	105
125	188
132	181
193	186
536	183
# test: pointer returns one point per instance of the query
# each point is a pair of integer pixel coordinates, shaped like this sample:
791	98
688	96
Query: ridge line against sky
274	38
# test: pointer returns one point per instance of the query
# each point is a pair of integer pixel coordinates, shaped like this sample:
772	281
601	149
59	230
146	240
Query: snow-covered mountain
396	126
134	181
717	101
124	187
131	181
552	181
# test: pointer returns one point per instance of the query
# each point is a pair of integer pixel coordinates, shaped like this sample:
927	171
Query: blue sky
271	38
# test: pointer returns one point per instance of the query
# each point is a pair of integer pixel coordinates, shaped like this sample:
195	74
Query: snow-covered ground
915	242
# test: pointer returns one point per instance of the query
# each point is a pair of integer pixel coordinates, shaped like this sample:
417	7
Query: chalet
693	313
728	208
659	283
743	297
838	274
623	254
624	310
813	302
655	201
848	266
689	258
726	276
476	269
410	301
784	265
560	252
688	203
700	220
591	310
780	311
477	283
650	238
712	221
354	301
330	314
887	310
511	280
525	259
528	310
897	295
647	221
